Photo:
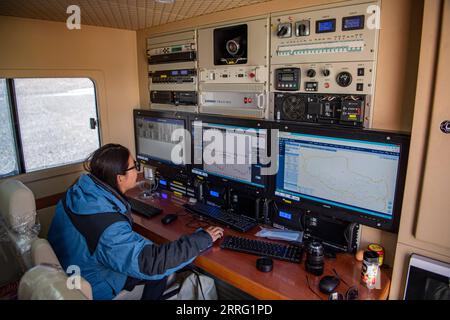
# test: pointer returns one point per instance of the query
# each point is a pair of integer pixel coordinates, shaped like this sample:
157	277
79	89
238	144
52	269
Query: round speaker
232	47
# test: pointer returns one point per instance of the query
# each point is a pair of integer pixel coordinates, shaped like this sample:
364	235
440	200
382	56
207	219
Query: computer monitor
155	143
229	149
356	175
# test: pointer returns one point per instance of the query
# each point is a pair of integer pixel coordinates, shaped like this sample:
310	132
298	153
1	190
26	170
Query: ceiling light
165	1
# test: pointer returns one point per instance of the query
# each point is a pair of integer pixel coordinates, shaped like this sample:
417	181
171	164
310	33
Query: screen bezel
257	124
155	162
402	139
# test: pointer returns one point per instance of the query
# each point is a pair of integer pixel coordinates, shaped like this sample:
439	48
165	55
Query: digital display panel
214	193
285	215
352	23
174	72
311	85
183	72
287	77
328	25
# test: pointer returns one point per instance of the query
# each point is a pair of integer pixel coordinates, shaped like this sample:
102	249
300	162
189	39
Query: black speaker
230	45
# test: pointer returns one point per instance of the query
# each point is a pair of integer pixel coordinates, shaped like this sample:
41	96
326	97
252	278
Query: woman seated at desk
92	229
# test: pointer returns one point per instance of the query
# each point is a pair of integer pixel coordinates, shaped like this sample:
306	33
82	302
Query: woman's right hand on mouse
215	233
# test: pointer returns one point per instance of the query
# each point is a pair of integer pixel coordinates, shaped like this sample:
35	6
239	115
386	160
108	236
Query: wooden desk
286	280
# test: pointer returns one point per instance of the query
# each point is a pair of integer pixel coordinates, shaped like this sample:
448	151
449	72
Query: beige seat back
48	277
42	253
47	282
18	217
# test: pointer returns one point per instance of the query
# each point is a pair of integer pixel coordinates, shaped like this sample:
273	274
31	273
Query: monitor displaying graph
155	140
352	174
229	151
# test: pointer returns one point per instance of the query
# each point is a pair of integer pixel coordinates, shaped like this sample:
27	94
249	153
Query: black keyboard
232	220
143	208
289	253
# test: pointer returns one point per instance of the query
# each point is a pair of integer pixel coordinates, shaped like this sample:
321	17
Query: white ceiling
122	14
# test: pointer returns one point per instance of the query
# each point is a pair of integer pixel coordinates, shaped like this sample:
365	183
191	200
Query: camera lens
315	248
314	258
232	47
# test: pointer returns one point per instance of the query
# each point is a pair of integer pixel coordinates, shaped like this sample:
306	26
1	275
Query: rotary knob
311	73
445	127
326	72
283	31
344	79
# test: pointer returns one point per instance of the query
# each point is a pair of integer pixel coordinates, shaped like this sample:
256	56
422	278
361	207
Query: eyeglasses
136	166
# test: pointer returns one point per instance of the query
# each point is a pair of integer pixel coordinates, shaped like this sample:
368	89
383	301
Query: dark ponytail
107	162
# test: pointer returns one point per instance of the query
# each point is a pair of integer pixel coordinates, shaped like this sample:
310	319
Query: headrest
17	205
44	282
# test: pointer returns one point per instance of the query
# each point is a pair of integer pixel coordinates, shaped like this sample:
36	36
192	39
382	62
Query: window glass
8	156
55	116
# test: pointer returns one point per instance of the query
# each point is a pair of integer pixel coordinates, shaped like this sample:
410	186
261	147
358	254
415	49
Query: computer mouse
328	283
169	218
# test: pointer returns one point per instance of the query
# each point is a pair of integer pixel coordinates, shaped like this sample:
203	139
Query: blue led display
326	26
285	215
214	193
163	182
352	23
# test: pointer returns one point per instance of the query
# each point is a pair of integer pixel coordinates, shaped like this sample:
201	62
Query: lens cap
264	264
